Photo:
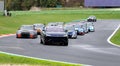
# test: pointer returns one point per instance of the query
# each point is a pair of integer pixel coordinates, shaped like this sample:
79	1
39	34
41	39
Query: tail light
31	36
19	35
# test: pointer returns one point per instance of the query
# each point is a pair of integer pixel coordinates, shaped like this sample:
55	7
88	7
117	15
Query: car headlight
65	35
81	30
48	35
18	32
76	28
91	27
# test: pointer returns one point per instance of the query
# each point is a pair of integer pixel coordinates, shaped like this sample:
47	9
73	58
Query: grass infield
116	38
18	18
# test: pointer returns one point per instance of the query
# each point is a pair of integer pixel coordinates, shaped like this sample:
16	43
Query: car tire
95	20
45	43
89	30
76	37
66	44
41	41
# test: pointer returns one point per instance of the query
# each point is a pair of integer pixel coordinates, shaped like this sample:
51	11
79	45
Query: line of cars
78	28
56	33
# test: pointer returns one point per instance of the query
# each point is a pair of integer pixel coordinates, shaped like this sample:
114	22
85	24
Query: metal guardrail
1	6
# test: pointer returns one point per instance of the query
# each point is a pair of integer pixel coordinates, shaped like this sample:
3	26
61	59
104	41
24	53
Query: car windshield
26	28
38	26
76	26
89	24
69	28
54	30
92	17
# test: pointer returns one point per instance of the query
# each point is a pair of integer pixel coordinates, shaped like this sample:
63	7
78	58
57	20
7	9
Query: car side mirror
43	29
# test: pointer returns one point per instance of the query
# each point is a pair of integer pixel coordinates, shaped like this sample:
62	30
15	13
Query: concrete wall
102	3
1	6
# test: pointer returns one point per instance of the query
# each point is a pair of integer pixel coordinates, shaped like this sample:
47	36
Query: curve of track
92	48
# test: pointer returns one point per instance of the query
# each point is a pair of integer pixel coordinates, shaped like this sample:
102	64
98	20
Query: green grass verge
11	59
18	18
116	38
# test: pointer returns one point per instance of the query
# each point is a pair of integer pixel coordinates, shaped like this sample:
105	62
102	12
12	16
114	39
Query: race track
92	48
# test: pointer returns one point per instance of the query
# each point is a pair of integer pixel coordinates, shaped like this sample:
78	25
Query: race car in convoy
91	18
84	26
54	35
26	31
39	28
72	33
80	30
90	27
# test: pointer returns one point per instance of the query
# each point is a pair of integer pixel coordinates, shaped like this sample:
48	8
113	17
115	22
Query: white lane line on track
108	40
16	48
35	57
96	49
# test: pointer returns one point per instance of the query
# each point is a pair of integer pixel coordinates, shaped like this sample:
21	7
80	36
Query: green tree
26	4
48	3
16	5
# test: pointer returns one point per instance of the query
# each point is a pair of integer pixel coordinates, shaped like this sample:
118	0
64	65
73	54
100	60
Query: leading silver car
26	31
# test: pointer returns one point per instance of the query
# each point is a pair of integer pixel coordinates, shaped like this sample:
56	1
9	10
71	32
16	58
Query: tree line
27	4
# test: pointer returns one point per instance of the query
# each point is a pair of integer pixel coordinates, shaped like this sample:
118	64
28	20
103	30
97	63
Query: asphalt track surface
92	48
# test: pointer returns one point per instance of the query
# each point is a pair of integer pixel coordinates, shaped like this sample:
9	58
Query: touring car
54	35
92	18
26	31
90	27
72	33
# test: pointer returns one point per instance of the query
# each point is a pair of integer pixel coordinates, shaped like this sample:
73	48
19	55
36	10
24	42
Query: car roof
54	28
26	25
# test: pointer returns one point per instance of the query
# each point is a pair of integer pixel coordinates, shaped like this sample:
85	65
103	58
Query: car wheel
88	20
41	41
66	44
45	43
76	37
94	20
16	36
89	30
